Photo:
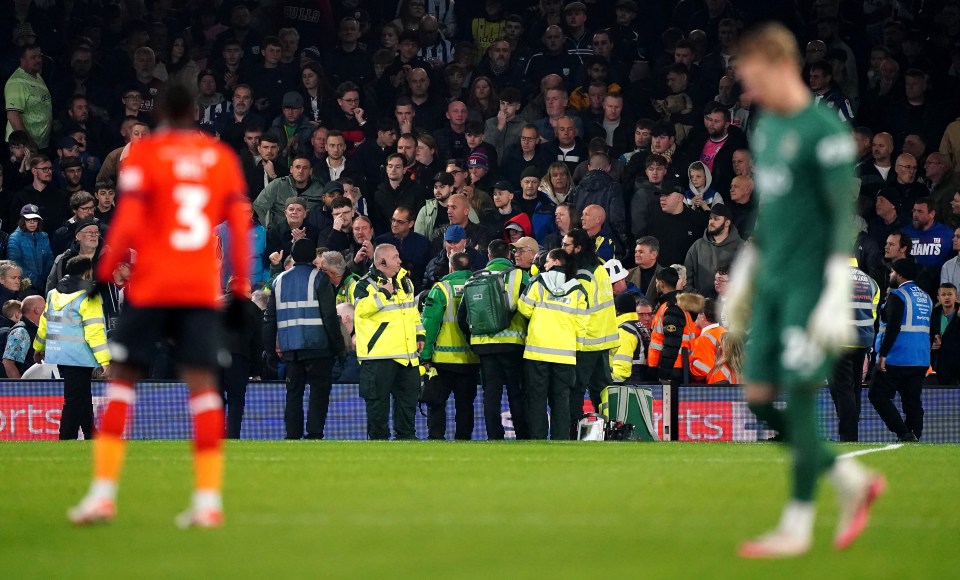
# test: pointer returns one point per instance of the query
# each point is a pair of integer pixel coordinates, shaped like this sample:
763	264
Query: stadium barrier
30	410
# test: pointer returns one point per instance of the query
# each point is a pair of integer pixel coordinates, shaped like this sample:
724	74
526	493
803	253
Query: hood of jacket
706	172
546	188
555	281
522	220
733	238
67	288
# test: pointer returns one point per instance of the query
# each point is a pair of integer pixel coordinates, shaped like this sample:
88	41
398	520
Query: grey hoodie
705	256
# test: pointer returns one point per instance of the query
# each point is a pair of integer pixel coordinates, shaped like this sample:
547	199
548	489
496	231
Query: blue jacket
32	252
259	274
301	315
905	339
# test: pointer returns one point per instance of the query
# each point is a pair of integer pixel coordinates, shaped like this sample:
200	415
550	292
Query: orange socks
206	407
108	446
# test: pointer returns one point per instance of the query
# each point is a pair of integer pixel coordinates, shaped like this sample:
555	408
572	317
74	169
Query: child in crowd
700	196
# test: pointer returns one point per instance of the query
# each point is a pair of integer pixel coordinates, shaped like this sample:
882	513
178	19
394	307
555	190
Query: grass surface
448	510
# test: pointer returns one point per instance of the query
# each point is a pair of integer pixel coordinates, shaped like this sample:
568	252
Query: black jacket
673	318
949	340
723	162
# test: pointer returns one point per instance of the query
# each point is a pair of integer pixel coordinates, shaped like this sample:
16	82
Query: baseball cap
332	187
721	210
67	142
575	6
30	212
71	161
527	243
671	184
454	234
615	270
311	53
443	178
504	185
513	226
478	159
292	100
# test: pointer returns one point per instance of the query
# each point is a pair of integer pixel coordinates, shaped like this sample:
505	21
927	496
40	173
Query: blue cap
454	234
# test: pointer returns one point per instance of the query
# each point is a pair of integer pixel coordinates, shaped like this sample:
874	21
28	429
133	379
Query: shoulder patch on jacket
671	328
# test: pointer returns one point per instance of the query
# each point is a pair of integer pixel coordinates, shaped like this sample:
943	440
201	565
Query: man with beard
499	66
397	189
715	144
230	126
719	245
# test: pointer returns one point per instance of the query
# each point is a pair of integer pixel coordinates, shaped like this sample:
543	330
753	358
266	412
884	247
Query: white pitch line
865	451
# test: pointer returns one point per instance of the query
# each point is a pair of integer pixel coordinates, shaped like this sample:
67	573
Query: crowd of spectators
363	122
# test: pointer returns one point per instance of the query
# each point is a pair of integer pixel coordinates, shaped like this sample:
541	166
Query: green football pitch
467	510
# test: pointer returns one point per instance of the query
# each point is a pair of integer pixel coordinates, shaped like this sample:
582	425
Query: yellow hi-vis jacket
445	342
555	308
72	331
630	352
516	333
387	325
600	314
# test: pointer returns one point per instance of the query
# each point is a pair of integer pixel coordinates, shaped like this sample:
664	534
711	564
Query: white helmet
615	270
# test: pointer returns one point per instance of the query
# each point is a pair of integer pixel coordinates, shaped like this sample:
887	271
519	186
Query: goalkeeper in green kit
791	286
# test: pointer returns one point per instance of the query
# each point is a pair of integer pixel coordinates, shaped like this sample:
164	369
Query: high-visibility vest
657	333
631	354
556	320
912	346
345	289
705	348
386	327
451	345
723	373
601	315
299	324
516	332
864	300
72	330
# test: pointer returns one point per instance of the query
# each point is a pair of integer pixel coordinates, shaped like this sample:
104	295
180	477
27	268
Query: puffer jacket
32	252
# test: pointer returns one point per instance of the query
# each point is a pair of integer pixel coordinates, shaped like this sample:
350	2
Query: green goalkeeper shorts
778	350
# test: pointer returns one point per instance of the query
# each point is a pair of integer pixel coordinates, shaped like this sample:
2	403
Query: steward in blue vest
847	381
72	335
904	353
301	324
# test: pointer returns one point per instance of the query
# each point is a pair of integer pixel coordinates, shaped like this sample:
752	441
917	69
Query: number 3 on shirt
193	231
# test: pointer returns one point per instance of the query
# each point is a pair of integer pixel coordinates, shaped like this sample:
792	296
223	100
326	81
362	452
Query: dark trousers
908	381
496	371
77	411
948	371
593	374
548	383
379	381
233	387
316	372
461	381
845	387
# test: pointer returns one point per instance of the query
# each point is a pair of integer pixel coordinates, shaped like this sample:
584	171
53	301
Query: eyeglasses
570	245
86	208
528	138
94	233
350	100
44	168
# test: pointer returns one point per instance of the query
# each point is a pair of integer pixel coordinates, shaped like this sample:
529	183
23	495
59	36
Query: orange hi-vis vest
656	336
705	348
721	374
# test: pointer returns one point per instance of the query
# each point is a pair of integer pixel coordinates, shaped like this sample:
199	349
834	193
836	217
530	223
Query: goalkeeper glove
740	291
830	325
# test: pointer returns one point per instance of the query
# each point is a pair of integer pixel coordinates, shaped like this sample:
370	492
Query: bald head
882	148
906	168
32	308
741	189
936	166
592	219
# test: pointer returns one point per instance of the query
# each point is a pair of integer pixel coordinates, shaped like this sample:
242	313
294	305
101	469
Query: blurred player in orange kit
175	186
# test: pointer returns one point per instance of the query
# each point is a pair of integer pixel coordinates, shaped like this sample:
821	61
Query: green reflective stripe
100	348
552	351
91	321
451	349
65	338
623	358
376	335
296	321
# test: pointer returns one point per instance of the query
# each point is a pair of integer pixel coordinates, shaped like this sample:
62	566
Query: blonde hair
730	353
772	42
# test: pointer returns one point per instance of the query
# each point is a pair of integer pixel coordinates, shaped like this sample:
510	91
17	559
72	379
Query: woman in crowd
482	99
29	247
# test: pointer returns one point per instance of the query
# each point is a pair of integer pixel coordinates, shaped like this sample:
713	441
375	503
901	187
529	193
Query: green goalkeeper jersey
804	177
